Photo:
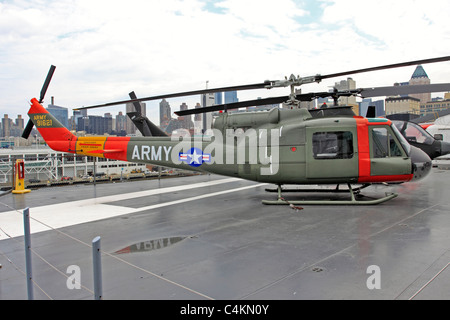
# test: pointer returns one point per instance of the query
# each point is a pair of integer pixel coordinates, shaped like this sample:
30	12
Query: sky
104	49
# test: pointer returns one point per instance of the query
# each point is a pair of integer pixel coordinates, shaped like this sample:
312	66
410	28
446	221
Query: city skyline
120	124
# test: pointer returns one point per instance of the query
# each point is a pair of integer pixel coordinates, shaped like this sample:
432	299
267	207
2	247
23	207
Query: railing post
96	257
26	227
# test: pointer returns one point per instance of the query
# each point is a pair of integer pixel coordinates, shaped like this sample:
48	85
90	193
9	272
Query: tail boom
59	138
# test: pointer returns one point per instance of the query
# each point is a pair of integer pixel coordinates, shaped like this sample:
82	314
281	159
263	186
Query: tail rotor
29	127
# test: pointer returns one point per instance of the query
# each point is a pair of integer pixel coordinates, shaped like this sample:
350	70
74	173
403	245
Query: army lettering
42	121
150	153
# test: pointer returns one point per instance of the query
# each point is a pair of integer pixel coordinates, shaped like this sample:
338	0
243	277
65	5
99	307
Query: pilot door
387	157
331	153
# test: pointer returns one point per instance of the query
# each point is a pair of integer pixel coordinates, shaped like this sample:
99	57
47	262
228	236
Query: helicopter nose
445	148
421	163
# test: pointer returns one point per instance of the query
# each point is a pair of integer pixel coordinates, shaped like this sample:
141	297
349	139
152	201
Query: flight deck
209	237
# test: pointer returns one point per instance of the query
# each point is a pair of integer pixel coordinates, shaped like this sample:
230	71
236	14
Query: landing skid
352	201
329	190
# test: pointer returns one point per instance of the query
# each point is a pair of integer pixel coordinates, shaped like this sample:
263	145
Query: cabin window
333	145
384	144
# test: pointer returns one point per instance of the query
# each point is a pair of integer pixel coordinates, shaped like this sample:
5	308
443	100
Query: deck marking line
82	211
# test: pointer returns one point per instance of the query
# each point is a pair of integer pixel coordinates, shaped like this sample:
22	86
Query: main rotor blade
363	92
389	66
404	90
258	102
271	84
182	94
234	105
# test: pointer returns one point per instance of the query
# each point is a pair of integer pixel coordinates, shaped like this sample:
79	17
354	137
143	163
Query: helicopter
433	146
294	146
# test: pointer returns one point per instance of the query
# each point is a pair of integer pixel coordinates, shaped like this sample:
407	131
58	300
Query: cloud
104	49
395	30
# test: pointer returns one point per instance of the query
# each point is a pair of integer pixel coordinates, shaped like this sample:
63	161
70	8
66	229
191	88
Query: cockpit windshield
413	132
405	144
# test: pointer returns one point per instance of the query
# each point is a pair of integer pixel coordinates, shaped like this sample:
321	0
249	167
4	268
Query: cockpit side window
384	144
379	137
333	145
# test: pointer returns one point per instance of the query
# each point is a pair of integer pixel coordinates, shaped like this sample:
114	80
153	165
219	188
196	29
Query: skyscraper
121	123
420	77
165	114
186	121
198	116
231	96
20	122
6	126
218	98
208	100
60	113
198	123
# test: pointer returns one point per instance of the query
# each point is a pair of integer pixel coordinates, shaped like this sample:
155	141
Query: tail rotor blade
27	131
29	127
46	83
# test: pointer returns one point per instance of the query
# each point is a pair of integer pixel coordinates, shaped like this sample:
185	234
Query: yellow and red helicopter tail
54	133
59	138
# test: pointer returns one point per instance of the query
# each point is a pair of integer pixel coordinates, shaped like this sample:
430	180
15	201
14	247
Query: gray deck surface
219	243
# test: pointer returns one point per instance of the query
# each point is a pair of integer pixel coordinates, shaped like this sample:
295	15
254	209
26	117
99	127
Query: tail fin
54	133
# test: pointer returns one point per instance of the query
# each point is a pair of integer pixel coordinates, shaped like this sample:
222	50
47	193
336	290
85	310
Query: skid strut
352	201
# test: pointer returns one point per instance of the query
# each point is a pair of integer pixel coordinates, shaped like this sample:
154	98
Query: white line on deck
81	211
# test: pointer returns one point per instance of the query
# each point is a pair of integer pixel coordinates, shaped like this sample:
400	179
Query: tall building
6	126
231	96
165	114
60	113
111	123
17	127
77	115
121	124
10	128
218	98
20	122
420	77
198	116
99	125
208	100
198	120
82	124
186	121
